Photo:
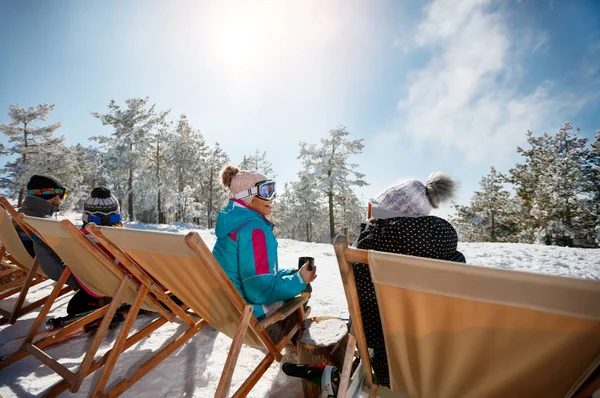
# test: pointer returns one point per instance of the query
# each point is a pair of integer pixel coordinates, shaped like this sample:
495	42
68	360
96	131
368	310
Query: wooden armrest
283	312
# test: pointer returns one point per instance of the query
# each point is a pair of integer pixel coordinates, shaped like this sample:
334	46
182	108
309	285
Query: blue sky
440	85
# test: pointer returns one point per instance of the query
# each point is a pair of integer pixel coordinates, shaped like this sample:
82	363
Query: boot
326	376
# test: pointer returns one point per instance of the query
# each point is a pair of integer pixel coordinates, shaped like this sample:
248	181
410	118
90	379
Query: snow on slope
195	368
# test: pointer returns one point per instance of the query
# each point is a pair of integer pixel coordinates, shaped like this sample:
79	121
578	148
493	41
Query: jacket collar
37	207
241	203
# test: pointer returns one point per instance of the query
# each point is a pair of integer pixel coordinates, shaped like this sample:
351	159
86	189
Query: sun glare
242	38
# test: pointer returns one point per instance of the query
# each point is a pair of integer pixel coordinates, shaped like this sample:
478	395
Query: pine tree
564	180
595	169
287	222
527	180
115	172
90	171
131	139
490	212
68	170
158	173
31	144
468	224
90	162
213	194
592	201
258	162
305	208
310	204
329	163
350	212
186	157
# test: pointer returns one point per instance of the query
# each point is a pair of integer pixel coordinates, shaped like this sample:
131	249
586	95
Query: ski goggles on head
265	190
103	219
61	192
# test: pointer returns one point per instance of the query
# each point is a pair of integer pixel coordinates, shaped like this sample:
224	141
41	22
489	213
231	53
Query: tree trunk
24	161
180	191
130	195
209	211
331	220
209	203
493	229
130	186
317	348
161	216
308	231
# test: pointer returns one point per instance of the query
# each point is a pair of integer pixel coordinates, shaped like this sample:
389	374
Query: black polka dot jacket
429	236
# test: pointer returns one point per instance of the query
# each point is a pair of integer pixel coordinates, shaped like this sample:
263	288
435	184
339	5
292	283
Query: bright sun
241	38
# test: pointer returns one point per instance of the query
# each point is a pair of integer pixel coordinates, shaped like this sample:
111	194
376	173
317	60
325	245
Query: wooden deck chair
196	278
18	259
457	330
99	273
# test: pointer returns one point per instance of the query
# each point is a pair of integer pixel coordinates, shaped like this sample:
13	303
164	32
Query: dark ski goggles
104	219
264	190
61	192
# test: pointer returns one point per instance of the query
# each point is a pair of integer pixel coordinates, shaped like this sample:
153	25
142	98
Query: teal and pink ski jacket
246	249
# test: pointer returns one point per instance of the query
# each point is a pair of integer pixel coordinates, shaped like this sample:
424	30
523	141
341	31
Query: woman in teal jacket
246	247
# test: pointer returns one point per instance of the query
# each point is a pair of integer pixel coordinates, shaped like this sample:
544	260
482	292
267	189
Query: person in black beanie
400	222
101	208
45	195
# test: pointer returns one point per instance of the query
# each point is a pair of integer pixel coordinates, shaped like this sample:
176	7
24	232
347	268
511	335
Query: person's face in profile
56	201
262	206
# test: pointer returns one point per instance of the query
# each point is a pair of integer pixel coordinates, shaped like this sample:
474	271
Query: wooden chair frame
146	291
347	255
20	286
247	320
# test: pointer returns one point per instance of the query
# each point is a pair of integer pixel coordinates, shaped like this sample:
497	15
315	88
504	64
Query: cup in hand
303	260
311	263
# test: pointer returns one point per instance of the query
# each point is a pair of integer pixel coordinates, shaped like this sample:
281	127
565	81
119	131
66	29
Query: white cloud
591	69
468	97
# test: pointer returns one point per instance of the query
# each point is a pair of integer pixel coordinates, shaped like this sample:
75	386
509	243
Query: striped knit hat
100	203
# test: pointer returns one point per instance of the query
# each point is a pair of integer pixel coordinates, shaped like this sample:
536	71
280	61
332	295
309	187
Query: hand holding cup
307	269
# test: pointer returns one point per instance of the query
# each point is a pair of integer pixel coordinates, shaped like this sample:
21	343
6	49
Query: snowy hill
194	369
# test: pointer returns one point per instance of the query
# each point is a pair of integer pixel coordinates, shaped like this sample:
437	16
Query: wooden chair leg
263	366
157	358
373	391
120	343
351	292
46	308
31	306
82	372
347	366
301	315
19	284
8	271
24	289
63	386
254	377
11	289
234	352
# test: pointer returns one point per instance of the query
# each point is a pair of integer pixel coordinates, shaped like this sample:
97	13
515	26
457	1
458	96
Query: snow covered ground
194	370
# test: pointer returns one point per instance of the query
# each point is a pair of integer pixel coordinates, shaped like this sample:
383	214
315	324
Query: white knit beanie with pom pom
237	180
414	199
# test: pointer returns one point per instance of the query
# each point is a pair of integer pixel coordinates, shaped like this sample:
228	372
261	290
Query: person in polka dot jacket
399	222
